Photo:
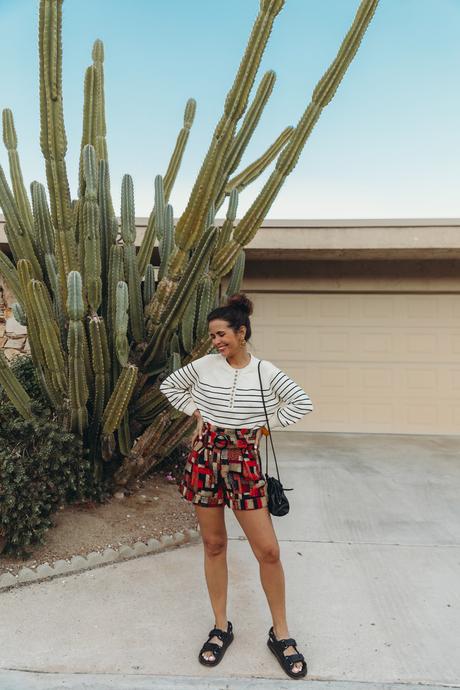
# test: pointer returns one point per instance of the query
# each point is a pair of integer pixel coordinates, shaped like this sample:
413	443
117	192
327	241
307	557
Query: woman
223	468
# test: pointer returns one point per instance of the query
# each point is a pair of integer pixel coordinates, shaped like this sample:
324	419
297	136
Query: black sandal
287	661
225	636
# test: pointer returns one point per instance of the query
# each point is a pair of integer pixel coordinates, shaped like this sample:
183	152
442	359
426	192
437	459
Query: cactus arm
244	134
16	393
80	371
116	273
250	122
149	284
206	186
236	276
154	228
24	271
78	389
176	158
177	303
167	241
287	160
91	235
124	435
19	239
59	312
33	331
107	219
128	233
101	129
49	336
180	428
44	231
206	296
99	360
128	222
19	190
187	323
226	230
147	407
9	272
89	120
19	314
53	139
252	171
136	308
119	400
121	323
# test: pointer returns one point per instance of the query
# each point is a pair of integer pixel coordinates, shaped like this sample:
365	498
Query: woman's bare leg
214	535
258	528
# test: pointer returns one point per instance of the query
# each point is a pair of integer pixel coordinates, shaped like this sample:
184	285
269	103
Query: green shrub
41	468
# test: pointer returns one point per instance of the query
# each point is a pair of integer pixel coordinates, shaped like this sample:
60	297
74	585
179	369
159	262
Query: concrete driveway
371	553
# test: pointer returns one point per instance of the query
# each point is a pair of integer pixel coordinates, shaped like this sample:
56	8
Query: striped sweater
231	397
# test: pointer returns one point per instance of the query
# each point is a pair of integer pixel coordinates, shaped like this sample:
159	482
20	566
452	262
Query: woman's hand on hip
199	427
259	433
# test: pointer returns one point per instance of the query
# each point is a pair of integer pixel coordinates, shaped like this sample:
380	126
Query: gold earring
243	341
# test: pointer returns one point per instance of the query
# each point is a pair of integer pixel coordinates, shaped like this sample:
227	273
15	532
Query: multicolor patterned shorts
224	468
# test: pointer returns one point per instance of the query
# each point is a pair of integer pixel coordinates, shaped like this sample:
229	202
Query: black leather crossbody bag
278	503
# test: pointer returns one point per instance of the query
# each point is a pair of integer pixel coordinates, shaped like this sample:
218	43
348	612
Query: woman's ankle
281	632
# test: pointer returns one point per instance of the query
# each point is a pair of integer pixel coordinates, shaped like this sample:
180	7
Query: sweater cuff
274	421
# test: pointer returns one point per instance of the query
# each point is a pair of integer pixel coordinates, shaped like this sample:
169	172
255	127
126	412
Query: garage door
380	363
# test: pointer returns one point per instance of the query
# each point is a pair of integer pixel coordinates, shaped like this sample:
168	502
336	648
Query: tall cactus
106	324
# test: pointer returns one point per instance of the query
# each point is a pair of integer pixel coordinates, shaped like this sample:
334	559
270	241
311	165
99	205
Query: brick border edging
95	559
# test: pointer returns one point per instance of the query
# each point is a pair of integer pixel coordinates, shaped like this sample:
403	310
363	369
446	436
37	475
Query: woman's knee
269	554
215	545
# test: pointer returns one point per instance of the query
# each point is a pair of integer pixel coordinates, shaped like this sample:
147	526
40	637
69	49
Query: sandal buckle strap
211	647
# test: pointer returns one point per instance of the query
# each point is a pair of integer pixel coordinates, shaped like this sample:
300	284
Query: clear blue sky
388	145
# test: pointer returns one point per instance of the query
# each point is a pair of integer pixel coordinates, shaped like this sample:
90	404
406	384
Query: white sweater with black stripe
231	397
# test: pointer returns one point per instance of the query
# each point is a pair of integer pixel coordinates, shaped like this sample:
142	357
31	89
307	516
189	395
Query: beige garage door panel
370	363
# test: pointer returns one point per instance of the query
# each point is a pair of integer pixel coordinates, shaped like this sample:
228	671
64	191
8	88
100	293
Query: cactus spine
14	390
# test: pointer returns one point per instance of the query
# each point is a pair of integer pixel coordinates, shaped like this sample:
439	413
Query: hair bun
240	301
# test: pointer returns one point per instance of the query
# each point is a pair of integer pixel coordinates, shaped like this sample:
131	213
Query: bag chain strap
269	430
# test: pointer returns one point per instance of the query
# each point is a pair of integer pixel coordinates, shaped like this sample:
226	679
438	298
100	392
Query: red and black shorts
224	468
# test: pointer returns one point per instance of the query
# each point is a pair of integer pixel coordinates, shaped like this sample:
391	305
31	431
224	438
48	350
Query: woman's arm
295	402
176	387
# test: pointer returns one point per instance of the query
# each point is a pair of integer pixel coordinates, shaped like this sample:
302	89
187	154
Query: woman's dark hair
236	312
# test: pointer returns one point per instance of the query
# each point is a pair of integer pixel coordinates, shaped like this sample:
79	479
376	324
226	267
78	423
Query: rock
13	326
193	533
140	548
126	551
78	563
44	570
95	558
153	545
27	575
11	354
15	343
7	580
167	540
119	494
61	566
109	555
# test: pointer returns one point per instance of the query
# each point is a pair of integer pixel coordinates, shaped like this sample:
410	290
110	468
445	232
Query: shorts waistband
229	433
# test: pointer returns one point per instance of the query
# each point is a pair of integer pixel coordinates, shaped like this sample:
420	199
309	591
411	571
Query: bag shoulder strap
268	427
